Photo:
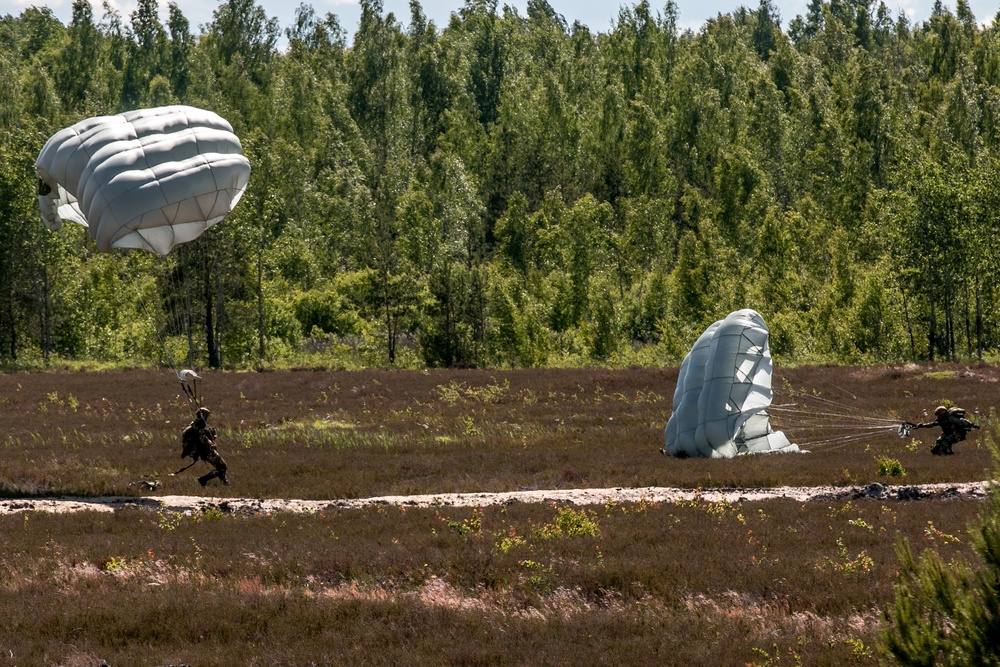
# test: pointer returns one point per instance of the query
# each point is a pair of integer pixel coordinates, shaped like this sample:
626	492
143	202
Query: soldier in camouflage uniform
198	441
954	427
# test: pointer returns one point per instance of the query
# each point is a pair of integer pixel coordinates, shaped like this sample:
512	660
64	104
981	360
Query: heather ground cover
695	582
771	583
324	435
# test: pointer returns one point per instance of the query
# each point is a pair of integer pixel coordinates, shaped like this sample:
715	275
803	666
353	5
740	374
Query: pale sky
596	14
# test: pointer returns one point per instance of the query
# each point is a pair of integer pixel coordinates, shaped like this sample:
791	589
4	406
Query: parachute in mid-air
150	178
723	391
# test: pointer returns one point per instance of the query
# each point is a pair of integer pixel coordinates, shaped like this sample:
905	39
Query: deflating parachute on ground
151	178
723	390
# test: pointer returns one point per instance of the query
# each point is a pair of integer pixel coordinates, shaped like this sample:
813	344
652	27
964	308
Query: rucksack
957	417
190	440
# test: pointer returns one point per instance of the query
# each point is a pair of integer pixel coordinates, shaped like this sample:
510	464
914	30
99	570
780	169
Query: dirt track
971	491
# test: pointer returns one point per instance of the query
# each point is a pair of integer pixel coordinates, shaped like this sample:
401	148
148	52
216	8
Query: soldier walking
198	441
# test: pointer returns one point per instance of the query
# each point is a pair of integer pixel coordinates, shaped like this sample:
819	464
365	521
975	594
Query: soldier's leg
220	468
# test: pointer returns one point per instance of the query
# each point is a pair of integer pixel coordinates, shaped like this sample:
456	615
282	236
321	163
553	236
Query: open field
703	580
325	435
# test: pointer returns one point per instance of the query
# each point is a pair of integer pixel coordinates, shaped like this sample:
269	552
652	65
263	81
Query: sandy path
973	490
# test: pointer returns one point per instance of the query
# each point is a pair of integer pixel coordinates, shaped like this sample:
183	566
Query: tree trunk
909	323
260	306
220	318
10	325
949	316
210	344
968	322
932	324
979	322
390	324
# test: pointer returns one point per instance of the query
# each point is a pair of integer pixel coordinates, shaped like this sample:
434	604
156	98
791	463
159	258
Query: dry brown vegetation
769	583
323	435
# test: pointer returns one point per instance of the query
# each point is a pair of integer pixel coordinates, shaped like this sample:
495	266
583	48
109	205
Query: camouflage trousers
942	446
213	458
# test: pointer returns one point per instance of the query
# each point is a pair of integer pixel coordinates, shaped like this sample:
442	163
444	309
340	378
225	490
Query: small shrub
470	427
578	523
116	564
474	524
890	467
569	523
505	541
844	564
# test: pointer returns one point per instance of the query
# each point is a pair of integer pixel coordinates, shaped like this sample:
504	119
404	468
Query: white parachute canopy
723	391
151	178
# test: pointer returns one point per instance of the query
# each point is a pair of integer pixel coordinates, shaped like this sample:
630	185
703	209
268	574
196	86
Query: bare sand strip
875	491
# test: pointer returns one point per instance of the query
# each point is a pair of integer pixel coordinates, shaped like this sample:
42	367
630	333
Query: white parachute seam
723	392
88	157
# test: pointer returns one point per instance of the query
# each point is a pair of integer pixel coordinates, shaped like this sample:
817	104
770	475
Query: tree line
512	190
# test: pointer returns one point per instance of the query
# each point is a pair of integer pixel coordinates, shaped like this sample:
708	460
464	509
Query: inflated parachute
151	178
723	391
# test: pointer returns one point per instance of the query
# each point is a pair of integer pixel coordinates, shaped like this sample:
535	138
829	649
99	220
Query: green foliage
327	312
888	467
518	191
948	612
577	523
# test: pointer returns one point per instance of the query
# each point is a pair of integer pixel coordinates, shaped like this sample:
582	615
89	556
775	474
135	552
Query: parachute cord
859	435
831	418
824	423
836	442
804	398
189	392
152	321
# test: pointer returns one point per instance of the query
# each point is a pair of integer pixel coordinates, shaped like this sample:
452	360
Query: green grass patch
941	375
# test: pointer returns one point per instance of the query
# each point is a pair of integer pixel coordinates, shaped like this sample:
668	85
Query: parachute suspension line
839	441
187	378
179	312
831	444
822	422
832	389
831	417
842	408
186	325
152	321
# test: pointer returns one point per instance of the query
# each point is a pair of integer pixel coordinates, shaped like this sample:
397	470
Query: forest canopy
512	190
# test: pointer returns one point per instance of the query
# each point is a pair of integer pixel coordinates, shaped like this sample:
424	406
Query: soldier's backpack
189	441
957	417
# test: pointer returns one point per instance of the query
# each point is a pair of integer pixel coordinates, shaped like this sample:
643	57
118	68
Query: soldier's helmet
203	413
940	410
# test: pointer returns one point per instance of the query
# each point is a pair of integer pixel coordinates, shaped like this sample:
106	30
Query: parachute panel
149	178
723	391
683	430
